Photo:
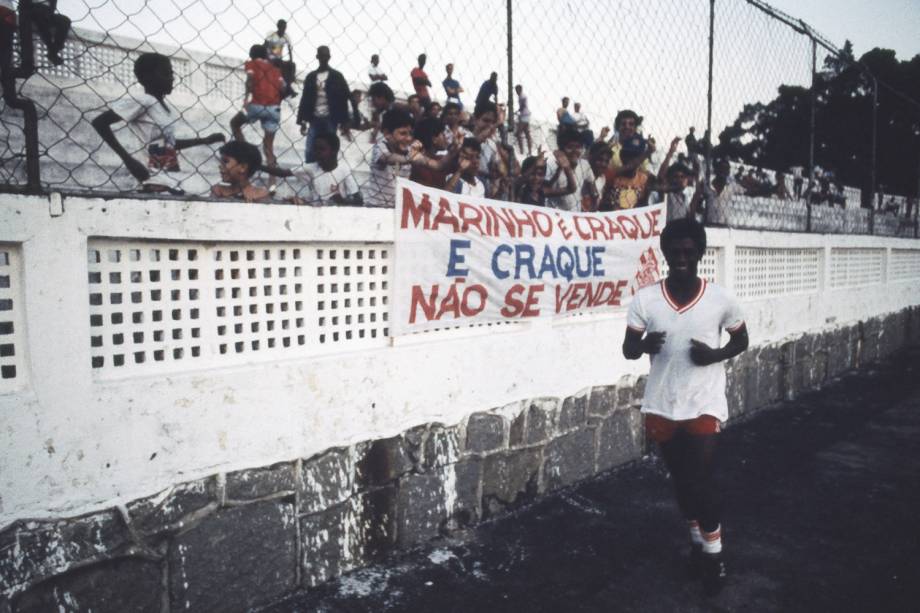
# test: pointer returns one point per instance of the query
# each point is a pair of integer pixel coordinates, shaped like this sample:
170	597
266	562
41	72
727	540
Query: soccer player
679	323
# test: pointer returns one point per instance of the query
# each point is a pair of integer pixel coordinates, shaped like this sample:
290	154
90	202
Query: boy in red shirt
262	100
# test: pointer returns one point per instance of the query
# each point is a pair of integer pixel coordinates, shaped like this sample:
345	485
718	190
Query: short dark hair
244	153
599	148
411	96
486	106
147	63
258	52
528	163
566	135
471	143
422	57
626	114
427	129
450	106
395	119
331	139
684	227
379	89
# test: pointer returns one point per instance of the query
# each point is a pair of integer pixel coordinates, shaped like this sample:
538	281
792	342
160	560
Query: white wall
74	437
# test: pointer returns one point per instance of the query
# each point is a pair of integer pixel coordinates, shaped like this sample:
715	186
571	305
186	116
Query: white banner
465	260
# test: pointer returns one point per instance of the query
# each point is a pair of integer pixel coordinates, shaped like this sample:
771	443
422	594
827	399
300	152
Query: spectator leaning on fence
450	114
530	183
325	181
485	118
420	80
239	161
464	181
626	125
152	120
391	157
433	163
324	104
452	87
382	100
262	100
628	186
275	44
569	178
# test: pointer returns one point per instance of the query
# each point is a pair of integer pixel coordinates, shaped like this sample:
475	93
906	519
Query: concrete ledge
302	522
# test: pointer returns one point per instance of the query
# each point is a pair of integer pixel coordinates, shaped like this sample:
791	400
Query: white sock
696	537
712	541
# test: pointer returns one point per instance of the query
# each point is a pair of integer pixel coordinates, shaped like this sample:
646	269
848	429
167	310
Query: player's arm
638	342
703	355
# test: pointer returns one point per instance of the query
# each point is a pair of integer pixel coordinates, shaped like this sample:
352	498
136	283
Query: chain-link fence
727	96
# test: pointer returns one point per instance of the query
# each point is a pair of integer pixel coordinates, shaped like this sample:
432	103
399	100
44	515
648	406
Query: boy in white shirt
464	181
569	190
678	322
325	181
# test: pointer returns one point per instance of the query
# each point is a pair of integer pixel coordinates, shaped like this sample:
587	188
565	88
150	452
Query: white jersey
677	388
320	186
583	174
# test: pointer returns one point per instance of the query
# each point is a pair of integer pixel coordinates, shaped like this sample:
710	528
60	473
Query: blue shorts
270	116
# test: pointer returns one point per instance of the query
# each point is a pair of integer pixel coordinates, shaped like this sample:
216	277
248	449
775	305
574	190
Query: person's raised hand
562	159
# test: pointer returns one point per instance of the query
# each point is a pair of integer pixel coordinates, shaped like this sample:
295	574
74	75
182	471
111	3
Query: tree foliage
776	134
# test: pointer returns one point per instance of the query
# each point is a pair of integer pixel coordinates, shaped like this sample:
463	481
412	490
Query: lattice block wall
160	306
12	329
710	267
761	272
145	304
855	267
905	264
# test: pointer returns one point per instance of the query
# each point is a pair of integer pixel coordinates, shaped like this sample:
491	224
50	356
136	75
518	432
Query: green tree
775	134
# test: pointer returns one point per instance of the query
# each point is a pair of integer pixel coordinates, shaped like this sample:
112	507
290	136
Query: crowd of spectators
447	146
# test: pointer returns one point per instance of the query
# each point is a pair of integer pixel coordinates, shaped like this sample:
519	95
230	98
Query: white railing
215	334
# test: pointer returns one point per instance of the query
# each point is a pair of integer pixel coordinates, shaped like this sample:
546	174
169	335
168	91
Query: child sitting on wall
152	120
465	181
324	181
238	162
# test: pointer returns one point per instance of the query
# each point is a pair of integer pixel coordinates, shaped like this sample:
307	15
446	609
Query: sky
890	24
648	55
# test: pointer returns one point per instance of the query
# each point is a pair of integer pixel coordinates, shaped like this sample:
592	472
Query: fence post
510	131
874	177
811	130
708	142
29	113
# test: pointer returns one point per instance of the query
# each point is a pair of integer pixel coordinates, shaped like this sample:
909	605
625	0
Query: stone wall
235	540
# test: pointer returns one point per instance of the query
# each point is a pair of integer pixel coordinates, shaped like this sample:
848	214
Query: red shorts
8	17
661	429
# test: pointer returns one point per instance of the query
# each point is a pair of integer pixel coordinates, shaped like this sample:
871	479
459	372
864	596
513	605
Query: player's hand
653	342
702	354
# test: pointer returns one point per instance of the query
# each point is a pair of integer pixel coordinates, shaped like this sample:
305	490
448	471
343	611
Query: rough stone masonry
232	541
